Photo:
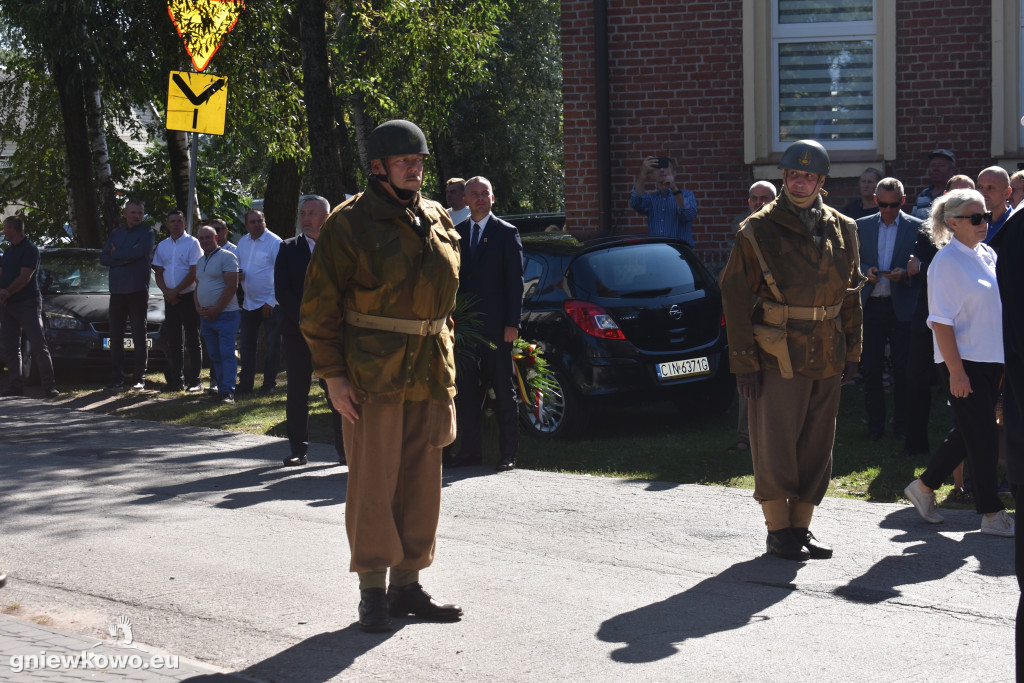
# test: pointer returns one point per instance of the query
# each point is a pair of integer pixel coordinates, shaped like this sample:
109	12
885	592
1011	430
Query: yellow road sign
197	103
203	24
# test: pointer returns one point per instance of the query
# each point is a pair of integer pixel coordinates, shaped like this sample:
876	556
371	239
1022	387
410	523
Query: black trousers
495	367
920	374
181	327
974	436
298	363
881	326
125	307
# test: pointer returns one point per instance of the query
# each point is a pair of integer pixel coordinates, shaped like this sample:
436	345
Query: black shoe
413	600
507	463
176	388
373	611
785	544
297	460
341	459
466	460
11	391
225	398
817	550
52	393
116	385
243	392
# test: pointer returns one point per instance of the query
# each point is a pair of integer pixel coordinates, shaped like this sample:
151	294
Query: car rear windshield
636	270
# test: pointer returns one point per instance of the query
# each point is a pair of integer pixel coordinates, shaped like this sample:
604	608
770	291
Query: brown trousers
394	482
792	430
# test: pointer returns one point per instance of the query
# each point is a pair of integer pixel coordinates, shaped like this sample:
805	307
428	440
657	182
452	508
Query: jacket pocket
375	359
442	423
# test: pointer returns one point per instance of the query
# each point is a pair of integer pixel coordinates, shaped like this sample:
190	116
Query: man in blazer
289	282
887	240
491	273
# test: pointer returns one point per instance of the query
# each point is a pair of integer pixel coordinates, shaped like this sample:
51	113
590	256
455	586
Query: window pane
816	11
826	91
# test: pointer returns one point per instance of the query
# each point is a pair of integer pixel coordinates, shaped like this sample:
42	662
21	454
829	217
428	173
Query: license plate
683	368
129	343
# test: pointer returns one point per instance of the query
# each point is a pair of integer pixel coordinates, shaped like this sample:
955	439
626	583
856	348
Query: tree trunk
67	76
325	159
178	156
100	159
363	128
281	200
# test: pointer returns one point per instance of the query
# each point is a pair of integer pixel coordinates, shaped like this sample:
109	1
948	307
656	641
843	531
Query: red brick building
724	86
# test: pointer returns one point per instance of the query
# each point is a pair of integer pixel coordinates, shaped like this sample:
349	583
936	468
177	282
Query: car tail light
593	320
721	323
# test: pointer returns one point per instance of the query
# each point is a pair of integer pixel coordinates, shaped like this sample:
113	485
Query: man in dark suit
289	281
1010	275
492	274
887	240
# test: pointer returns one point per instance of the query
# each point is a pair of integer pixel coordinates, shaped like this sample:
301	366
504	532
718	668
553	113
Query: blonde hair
945	207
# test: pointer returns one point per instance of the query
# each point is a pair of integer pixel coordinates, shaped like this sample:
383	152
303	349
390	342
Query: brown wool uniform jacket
370	259
807	275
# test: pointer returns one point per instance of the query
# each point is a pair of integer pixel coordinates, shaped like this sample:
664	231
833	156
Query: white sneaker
999	524
923	501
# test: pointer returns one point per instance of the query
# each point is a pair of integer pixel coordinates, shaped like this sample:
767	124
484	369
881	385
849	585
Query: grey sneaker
923	501
999	524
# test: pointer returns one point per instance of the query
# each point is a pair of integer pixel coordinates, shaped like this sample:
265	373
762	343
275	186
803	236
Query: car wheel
556	414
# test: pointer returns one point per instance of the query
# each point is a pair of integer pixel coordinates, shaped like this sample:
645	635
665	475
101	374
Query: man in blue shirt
21	310
129	255
670	211
994	185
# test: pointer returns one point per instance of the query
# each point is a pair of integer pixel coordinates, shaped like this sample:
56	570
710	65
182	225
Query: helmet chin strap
403	194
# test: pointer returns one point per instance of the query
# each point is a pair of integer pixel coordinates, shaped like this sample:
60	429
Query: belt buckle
822	310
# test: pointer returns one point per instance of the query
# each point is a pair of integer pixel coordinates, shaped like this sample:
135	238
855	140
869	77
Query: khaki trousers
394	482
792	430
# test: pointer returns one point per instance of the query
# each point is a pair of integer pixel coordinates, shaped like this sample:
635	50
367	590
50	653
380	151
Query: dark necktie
475	242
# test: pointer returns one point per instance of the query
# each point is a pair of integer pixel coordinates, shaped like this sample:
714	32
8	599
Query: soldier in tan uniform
793	314
380	290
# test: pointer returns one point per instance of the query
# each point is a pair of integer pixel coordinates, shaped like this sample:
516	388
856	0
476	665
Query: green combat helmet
806	155
395	138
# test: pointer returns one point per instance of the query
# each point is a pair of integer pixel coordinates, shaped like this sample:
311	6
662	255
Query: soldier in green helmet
376	312
793	314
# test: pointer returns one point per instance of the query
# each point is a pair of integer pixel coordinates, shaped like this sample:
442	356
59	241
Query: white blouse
962	293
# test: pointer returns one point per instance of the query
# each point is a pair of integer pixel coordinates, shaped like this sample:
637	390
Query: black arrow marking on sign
200	99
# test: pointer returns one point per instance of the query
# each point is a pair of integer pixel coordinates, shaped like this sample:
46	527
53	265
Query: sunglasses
978	218
888	205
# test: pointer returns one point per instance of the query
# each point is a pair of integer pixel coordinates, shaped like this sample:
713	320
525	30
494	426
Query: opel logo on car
675	312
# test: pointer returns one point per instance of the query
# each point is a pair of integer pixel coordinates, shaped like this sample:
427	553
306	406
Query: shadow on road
731	600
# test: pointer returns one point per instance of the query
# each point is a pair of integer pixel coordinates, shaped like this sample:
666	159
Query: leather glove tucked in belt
849	370
748	384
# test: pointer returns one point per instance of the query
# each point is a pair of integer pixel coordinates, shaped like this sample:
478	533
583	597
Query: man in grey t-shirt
216	284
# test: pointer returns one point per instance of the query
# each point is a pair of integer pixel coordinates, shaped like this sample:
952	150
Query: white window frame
761	34
793	33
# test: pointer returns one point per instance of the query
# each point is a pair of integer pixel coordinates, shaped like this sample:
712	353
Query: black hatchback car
76	301
626	319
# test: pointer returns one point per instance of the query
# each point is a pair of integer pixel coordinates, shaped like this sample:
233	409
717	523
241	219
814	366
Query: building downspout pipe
604	161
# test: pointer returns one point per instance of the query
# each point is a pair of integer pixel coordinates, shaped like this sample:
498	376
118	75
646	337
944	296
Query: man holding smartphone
670	210
887	240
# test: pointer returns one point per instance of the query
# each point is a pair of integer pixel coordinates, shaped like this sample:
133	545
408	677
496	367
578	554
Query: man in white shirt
887	240
455	192
257	252
174	263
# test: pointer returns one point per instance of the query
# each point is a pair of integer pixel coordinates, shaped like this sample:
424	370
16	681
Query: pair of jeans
181	327
131	307
250	327
220	337
25	317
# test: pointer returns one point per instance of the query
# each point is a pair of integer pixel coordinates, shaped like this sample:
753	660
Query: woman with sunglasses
965	315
